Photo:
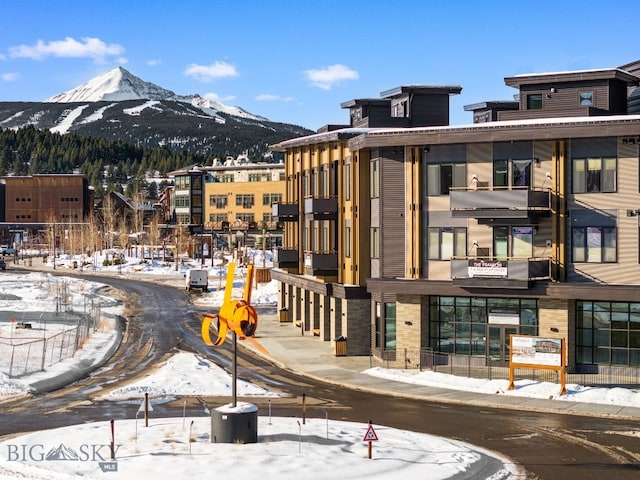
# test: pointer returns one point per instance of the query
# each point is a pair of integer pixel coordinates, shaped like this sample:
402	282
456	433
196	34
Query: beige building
230	202
444	241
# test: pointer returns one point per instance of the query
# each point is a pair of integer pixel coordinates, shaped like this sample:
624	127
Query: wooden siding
627	269
392	209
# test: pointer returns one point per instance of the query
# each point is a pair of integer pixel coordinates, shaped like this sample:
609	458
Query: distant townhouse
230	202
403	233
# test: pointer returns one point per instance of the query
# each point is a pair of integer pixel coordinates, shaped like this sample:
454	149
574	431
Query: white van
197	280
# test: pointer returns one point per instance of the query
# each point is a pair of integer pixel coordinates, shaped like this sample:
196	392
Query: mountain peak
118	84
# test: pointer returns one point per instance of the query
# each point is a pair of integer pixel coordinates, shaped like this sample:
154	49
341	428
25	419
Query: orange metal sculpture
237	316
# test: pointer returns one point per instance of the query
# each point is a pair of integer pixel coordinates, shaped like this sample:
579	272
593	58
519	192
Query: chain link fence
47	338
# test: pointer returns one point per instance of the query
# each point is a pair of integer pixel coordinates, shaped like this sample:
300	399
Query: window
218	201
218	217
608	333
447	242
586	99
458	325
520	175
594	244
347	239
347	181
512	242
593	175
244	201
245	217
375	178
534	101
271	198
441	177
385	326
227	178
375	242
258	177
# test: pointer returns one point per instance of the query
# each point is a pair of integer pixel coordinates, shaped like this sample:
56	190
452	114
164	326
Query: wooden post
146	409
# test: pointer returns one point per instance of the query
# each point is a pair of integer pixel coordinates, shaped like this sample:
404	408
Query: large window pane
521	173
578	241
500	173
594	170
446	245
433	179
460	242
609	175
434	244
594	244
579	175
522	238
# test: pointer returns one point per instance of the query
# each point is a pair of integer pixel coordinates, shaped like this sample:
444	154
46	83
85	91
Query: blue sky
296	61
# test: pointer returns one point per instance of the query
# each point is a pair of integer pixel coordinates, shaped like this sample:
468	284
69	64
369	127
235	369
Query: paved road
161	319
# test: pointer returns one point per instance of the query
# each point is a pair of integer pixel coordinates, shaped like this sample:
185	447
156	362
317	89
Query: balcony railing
321	208
504	203
285	212
321	263
490	272
285	258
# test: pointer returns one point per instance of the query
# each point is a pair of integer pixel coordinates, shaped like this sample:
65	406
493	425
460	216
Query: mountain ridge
117	105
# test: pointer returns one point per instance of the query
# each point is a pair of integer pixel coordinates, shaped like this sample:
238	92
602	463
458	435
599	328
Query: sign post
370	436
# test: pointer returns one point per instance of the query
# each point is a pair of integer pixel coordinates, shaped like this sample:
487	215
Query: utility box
284	315
340	347
237	424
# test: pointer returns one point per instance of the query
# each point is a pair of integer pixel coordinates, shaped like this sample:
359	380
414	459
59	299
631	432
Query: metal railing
481	368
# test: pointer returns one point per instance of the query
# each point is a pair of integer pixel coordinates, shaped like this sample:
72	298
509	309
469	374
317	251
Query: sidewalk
309	356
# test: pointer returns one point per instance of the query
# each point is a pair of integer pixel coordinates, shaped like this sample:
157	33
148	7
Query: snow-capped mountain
120	106
119	84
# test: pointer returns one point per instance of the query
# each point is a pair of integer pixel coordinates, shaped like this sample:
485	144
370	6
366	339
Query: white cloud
88	47
207	73
266	97
3	56
10	76
154	62
217	98
326	78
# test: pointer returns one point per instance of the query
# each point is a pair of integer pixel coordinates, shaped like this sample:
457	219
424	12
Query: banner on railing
479	268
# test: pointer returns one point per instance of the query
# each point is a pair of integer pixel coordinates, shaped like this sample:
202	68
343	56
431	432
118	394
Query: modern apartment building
405	233
232	202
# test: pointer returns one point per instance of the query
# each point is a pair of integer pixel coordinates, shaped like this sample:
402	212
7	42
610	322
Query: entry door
498	344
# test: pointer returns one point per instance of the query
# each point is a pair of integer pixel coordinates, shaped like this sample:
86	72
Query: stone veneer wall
409	314
558	314
324	313
356	322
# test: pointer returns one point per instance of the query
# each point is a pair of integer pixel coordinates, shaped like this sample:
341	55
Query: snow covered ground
181	448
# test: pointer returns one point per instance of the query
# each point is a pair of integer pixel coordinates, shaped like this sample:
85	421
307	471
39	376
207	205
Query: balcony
488	206
285	212
321	264
488	272
285	258
321	208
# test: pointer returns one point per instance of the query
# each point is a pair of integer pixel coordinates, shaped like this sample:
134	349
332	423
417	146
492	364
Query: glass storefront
608	333
458	325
